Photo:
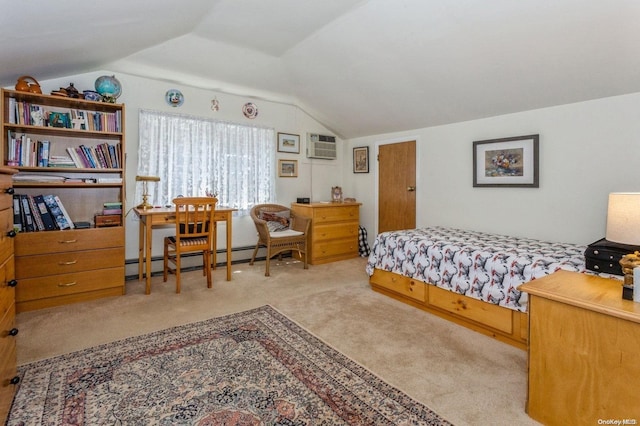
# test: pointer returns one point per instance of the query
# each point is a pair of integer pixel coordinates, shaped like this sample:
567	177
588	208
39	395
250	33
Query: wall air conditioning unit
321	146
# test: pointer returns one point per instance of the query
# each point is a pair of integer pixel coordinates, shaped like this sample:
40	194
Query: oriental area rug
250	368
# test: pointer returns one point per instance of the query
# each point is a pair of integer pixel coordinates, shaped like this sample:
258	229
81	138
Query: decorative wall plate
174	97
250	110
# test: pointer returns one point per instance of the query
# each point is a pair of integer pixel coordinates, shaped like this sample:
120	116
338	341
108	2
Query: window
195	155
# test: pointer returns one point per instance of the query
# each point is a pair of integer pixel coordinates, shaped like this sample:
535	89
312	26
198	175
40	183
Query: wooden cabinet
584	351
334	230
64	266
8	377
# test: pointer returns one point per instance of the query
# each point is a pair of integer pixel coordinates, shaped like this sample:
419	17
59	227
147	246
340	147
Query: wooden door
397	186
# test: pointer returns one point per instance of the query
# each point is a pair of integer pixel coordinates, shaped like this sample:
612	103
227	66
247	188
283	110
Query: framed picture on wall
508	162
288	168
361	159
288	142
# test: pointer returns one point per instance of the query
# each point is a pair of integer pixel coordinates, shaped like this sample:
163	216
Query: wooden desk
584	351
162	216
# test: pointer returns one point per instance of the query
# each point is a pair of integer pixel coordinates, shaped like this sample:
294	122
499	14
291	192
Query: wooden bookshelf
83	188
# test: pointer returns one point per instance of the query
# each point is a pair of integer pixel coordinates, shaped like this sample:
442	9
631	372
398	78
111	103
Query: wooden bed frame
504	324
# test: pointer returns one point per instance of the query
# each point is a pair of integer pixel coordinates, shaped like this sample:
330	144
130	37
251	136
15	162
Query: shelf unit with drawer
334	230
8	283
70	265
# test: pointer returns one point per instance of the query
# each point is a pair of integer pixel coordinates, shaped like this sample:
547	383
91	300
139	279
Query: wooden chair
194	232
295	238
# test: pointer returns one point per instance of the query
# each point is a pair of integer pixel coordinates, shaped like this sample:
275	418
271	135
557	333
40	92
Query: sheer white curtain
193	155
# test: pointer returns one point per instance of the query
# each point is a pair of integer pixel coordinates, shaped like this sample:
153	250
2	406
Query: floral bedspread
484	266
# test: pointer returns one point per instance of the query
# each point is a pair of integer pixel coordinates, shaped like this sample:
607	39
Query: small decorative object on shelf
24	86
108	87
72	92
215	104
91	95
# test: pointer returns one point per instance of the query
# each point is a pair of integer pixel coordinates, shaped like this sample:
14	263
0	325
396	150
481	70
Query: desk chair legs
172	256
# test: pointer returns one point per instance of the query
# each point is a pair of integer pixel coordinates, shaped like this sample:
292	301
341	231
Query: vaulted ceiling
361	67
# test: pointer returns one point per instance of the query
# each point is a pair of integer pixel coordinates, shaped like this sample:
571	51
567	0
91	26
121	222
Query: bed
468	277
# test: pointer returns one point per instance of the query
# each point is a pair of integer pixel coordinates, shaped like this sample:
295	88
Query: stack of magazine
39	213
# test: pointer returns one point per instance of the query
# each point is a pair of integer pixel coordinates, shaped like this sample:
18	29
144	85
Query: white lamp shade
623	218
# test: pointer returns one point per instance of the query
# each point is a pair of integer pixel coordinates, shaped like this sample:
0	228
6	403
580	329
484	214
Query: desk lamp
145	194
623	226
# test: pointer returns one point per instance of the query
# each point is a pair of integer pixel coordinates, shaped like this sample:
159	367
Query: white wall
315	177
587	150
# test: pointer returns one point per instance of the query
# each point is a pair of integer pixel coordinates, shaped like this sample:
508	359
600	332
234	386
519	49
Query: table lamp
623	226
145	193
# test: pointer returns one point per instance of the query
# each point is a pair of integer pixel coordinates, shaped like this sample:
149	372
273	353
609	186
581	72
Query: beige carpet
467	378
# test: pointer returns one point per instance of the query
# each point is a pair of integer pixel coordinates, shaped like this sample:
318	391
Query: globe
109	87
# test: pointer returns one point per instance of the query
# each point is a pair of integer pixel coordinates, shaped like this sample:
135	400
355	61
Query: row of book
23	151
26	113
39	213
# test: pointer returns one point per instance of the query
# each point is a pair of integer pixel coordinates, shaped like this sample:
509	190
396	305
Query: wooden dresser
8	377
334	230
584	351
59	267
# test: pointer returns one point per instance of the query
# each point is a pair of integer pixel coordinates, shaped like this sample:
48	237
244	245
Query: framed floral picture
361	159
510	162
288	168
288	142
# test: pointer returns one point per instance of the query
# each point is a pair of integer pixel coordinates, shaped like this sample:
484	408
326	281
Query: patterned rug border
416	408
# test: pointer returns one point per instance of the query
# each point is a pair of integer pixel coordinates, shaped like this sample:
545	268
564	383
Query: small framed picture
361	159
288	143
508	162
288	168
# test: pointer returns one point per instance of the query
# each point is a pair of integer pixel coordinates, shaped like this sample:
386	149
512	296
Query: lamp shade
623	218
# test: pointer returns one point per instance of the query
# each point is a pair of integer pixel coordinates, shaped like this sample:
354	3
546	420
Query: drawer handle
11	234
71	284
71	262
13	332
170	218
67	241
15	380
12	283
10	191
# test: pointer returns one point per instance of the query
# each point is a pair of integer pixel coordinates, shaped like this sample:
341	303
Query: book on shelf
47	219
111	211
55	208
17	219
27	219
38	224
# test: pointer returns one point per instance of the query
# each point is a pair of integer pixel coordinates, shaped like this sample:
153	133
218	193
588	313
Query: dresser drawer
28	243
7	294
402	285
6	242
6	200
64	263
335	214
476	310
335	231
335	248
65	284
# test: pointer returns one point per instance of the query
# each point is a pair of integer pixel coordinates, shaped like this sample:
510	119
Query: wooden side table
584	351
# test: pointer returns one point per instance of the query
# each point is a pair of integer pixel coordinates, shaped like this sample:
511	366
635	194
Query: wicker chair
194	233
277	242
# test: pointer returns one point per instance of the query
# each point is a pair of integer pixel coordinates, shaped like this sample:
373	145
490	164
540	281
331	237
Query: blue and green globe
109	87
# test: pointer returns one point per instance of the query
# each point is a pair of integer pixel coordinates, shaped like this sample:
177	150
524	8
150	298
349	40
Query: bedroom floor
468	378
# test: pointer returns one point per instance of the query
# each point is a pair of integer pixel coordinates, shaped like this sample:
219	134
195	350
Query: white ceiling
361	67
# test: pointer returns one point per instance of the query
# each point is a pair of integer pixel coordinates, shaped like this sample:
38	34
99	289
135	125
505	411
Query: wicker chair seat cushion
285	233
189	241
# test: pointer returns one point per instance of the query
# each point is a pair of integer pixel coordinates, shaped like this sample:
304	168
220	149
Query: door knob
411	188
